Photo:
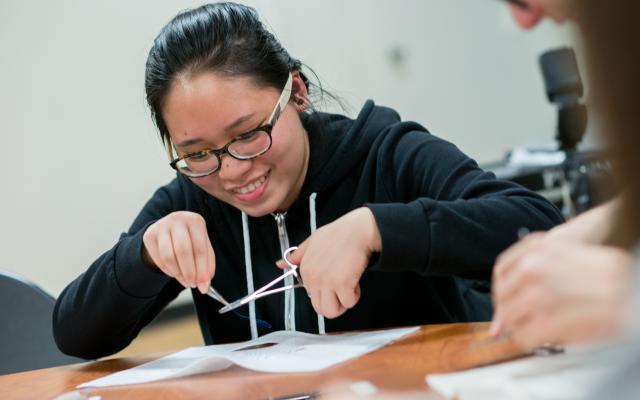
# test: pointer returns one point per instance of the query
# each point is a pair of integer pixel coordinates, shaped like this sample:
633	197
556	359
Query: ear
299	93
526	18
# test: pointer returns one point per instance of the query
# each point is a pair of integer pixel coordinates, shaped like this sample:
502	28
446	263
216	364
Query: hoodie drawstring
313	227
249	270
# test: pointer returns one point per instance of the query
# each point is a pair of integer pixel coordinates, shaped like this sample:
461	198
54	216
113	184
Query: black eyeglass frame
266	128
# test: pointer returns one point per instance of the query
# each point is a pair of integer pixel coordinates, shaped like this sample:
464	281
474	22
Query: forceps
293	270
216	296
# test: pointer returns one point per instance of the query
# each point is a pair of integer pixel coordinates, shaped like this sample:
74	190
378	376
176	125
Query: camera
574	180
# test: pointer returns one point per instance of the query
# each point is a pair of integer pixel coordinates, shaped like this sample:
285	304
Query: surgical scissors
262	292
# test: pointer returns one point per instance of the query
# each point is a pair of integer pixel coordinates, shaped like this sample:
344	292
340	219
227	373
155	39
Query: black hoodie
441	218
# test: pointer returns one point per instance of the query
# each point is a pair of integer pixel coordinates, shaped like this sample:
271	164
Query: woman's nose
232	169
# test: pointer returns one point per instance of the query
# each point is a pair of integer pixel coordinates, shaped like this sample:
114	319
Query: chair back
26	332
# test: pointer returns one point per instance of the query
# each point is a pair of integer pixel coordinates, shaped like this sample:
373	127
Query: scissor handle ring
285	256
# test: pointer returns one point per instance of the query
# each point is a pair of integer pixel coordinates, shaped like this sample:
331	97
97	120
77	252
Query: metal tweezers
217	296
262	292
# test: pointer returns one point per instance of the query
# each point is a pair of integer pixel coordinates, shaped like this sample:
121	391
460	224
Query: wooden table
397	371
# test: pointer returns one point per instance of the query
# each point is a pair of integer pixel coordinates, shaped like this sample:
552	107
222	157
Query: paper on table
573	375
282	351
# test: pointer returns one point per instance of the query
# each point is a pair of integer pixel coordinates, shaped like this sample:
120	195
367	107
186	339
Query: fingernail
203	288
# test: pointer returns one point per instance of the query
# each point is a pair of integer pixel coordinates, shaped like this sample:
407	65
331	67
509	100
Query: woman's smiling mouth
252	190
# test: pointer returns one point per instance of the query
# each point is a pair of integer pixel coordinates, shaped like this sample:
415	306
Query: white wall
81	155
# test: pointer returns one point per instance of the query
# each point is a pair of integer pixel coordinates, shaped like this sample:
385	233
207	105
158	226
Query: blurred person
573	284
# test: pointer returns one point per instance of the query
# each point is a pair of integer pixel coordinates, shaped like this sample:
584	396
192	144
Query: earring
299	101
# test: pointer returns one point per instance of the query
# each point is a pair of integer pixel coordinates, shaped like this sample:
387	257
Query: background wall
81	155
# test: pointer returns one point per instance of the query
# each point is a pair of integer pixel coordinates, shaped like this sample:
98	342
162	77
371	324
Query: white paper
285	351
573	375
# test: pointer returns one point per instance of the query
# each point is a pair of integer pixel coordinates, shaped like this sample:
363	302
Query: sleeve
442	214
103	310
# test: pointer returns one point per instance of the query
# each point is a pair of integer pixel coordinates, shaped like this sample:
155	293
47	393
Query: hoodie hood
338	143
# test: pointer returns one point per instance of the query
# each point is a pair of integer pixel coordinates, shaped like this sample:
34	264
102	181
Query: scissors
262	292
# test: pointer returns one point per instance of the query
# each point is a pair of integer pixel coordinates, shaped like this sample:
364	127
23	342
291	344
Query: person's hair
225	38
612	35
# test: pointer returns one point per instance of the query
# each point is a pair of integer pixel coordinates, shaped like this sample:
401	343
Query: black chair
26	333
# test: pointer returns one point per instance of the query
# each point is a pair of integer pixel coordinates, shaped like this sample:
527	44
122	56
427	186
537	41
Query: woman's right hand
547	290
179	246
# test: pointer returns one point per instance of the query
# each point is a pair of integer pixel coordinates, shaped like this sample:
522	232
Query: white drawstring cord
249	270
312	223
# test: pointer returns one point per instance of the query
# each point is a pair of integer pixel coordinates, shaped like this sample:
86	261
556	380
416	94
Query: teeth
250	187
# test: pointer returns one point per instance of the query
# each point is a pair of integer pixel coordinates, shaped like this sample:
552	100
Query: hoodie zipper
289	295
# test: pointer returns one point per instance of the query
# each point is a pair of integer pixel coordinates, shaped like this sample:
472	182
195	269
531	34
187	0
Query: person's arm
445	215
436	212
594	226
102	310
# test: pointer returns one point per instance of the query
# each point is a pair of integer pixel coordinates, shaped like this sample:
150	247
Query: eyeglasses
243	147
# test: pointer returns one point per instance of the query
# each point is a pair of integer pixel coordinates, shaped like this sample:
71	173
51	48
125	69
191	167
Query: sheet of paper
282	351
573	375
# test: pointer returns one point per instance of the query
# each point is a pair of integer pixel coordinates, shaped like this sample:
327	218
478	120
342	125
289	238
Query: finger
316	300
182	247
527	273
150	246
183	282
200	244
505	261
506	273
495	329
166	257
211	262
348	297
330	304
515	314
294	257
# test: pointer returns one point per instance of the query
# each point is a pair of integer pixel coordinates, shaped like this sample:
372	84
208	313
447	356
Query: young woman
395	226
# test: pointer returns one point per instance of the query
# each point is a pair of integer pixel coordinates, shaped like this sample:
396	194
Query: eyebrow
234	124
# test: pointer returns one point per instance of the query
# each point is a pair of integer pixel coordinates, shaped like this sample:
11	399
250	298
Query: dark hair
227	38
612	32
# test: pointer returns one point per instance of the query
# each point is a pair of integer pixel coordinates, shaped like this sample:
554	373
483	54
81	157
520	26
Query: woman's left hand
332	260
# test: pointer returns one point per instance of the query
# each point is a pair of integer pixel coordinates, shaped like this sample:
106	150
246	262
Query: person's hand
547	290
332	260
179	246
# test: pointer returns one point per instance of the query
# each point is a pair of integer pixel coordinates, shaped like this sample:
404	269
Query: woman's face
536	10
208	110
